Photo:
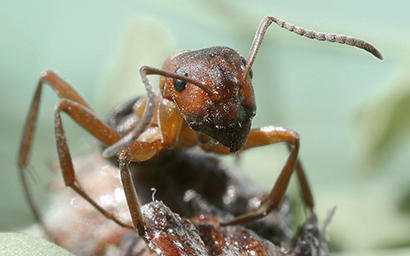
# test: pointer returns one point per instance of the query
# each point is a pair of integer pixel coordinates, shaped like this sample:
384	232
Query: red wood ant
206	98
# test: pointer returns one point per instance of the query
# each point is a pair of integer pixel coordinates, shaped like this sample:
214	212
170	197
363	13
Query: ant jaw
227	122
233	136
238	140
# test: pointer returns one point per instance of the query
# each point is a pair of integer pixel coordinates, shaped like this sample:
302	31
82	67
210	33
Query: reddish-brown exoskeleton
206	98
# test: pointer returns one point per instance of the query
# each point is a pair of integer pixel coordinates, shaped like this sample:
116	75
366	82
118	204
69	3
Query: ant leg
63	90
303	182
99	129
133	202
138	150
266	136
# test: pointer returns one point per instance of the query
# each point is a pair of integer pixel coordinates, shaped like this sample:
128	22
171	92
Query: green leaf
17	244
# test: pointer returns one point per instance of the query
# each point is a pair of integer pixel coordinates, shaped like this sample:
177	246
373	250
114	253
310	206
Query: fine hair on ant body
206	98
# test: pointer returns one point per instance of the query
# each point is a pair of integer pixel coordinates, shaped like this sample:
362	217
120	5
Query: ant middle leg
88	120
63	90
96	127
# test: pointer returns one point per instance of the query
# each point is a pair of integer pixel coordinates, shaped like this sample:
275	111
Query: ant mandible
206	98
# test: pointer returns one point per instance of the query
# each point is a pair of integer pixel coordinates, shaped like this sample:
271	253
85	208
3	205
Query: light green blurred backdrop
351	110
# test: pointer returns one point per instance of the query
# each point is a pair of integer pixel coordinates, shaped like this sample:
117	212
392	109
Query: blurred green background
352	111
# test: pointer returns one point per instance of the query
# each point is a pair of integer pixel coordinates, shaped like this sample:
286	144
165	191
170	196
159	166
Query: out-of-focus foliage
384	120
312	87
140	36
17	244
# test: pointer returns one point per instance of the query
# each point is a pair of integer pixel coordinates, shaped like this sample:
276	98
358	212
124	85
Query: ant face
221	69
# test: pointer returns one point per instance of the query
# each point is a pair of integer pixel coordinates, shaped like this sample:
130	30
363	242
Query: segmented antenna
330	37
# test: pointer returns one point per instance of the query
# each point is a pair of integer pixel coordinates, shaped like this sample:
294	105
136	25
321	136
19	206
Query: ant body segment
206	98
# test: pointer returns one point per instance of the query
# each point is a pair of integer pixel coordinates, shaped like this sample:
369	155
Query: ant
206	98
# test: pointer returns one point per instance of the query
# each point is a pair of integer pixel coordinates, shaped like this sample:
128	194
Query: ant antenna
330	37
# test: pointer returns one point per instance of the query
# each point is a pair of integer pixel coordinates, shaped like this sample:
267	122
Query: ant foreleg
266	136
132	199
269	135
303	182
99	129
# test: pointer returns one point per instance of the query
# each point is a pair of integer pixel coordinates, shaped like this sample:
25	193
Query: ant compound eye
244	65
179	85
243	61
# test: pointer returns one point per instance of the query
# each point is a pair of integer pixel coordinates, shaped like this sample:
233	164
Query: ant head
226	110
